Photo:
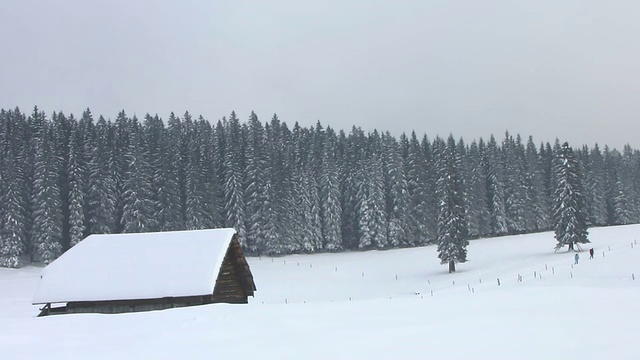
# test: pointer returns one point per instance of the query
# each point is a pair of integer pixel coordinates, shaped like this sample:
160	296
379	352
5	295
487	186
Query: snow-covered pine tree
516	201
137	204
417	181
86	134
76	177
539	199
569	212
452	229
219	148
30	132
61	131
634	176
430	178
495	188
281	182
177	161
101	183
12	232
119	166
256	195
234	208
330	194
203	147
477	208
195	212
462	150
396	193
210	183
47	209
163	155
350	182
628	185
287	206
306	164
616	202
595	194
307	224
316	149
373	224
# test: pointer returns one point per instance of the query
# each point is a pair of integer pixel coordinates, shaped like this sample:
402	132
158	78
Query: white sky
567	69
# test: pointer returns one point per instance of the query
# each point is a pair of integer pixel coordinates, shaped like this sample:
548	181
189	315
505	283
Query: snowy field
373	305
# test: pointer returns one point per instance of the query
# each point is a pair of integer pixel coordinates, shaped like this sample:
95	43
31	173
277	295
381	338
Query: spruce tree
61	130
396	193
539	200
234	183
195	210
477	207
452	229
307	217
371	206
516	192
430	178
569	212
121	145
137	204
596	190
12	231
101	182
417	183
629	191
211	185
350	183
256	186
330	195
280	140
495	188
616	201
47	208
76	186
164	154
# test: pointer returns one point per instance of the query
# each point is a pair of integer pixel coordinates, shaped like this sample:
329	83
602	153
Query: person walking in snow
591	253
577	257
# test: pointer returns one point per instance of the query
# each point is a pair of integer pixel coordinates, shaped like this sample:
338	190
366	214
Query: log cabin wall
242	267
228	286
124	306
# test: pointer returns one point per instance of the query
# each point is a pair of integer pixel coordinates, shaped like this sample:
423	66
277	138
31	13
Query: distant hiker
591	253
577	257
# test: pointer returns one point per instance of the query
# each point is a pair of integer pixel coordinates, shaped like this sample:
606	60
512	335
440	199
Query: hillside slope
373	305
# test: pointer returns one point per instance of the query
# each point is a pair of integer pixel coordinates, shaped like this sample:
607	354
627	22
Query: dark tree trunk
570	246
452	266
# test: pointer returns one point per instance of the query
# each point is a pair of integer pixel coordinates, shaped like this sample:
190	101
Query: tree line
284	189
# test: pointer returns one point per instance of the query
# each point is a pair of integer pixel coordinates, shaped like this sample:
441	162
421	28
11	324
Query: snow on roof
136	266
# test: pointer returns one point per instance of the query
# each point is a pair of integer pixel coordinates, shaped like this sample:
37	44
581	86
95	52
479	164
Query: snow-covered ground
372	305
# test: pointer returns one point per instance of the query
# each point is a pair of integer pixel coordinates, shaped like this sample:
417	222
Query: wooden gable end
234	283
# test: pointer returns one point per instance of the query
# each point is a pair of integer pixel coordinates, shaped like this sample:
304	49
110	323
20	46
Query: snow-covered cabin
116	273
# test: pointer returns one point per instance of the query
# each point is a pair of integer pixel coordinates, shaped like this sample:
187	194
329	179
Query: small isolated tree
452	227
569	208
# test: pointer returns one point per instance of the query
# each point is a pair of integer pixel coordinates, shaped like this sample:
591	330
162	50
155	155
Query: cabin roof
136	266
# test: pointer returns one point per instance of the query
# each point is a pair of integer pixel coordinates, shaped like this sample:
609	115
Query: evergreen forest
285	189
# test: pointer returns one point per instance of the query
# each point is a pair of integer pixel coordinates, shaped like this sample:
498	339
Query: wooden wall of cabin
228	287
124	306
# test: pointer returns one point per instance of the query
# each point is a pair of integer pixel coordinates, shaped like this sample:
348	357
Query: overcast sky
568	69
